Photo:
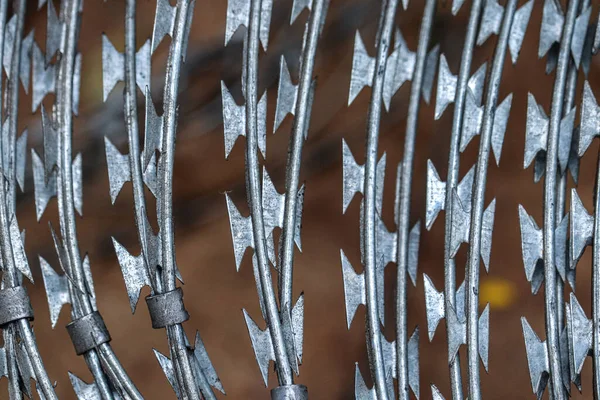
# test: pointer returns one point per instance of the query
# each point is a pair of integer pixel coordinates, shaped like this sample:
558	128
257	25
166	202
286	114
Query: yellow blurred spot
499	292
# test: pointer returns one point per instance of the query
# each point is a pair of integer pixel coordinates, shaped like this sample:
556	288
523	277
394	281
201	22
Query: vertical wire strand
7	213
452	181
301	120
70	15
282	363
403	222
550	185
179	351
373	121
477	208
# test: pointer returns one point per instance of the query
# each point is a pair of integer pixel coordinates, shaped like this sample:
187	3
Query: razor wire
554	144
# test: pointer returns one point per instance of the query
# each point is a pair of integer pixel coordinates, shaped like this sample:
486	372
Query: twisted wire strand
300	126
103	354
473	265
8	212
550	187
179	351
374	345
282	363
452	182
403	219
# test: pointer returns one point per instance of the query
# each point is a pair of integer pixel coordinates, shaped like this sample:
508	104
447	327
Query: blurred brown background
214	292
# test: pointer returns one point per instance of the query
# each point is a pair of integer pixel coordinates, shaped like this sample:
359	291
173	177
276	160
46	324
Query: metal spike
55	32
89	281
429	72
413	252
580	35
435	393
259	289
389	356
84	391
457	333
113	66
44	77
134	272
561	244
241	231
153	131
290	337
273	212
413	362
167	366
400	69
287	94
518	29
26	43
298	327
19	256
118	169
386	242
353	177
50	144
354	289
461	223
596	41
234	121
580	333
436	193
484	336
273	209
472	120
446	88
150	177
491	21
3	362
26	371
262	345
76	83
363	68
164	22
205	365
582	229
361	391
44	191
551	28
532	249
536	134
537	359
78	184
21	159
590	119
435	305
298	6
487	226
500	123
57	290
238	14
456	5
